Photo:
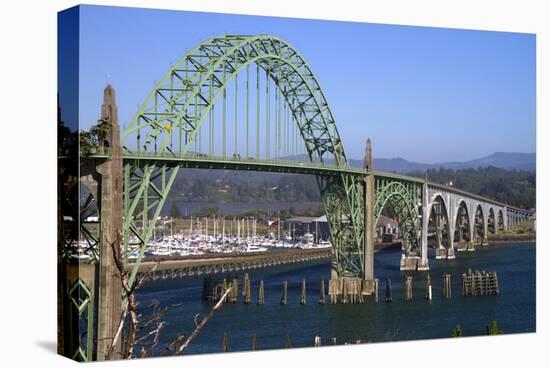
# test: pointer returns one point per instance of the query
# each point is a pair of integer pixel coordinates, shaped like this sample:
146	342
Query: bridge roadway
204	161
203	265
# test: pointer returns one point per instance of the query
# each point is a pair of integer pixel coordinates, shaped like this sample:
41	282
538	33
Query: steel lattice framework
158	142
181	102
405	197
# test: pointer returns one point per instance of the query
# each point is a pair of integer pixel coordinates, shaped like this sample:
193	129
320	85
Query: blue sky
423	94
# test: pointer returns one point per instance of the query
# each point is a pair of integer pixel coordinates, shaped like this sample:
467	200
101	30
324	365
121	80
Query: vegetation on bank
238	186
283	214
524	231
489	330
517	188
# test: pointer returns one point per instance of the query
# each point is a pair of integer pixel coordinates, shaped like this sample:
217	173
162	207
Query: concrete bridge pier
424	234
484	239
103	178
450	228
368	240
440	251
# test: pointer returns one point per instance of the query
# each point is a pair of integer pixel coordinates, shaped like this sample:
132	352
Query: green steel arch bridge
252	103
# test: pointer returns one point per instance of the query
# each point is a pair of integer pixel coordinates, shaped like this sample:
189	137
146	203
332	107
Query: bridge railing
237	159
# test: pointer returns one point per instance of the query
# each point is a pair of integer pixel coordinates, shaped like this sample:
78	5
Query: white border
28	204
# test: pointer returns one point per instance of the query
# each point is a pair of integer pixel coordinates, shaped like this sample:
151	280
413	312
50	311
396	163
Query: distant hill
491	176
509	161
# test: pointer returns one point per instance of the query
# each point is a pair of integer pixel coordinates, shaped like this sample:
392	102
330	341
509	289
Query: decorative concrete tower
110	209
368	196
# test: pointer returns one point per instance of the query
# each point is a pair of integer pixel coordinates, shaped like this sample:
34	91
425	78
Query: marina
206	236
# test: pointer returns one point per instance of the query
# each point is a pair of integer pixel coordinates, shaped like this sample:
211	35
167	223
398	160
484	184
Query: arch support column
424	234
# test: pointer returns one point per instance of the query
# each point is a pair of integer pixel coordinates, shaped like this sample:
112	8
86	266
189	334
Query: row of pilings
286	343
352	290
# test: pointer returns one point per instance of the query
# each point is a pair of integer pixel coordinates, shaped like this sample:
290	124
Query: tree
95	137
493	329
457	331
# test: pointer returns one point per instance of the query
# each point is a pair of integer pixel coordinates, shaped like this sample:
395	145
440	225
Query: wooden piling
334	290
447	286
495	287
288	343
261	293
479	283
303	293
225	342
284	292
352	290
254	347
322	292
388	291
235	291
409	289
376	290
317	342
222	291
428	289
344	298
246	289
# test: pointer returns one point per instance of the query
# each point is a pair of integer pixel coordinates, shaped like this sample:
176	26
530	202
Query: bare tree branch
195	332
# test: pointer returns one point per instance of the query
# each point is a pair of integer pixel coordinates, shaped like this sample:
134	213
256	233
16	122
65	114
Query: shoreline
508	241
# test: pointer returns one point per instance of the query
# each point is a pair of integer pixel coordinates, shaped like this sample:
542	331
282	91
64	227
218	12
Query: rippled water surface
514	308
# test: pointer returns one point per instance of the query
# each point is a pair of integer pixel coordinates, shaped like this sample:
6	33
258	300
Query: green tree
493	329
457	331
93	138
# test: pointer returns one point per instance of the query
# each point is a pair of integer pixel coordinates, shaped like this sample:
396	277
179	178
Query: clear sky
423	94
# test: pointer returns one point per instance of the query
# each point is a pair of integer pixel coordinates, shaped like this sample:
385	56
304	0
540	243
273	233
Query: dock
216	264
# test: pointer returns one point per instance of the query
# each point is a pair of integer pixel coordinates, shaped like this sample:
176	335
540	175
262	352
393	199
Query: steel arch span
180	103
404	198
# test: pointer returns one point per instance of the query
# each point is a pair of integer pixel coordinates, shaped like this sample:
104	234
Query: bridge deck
204	161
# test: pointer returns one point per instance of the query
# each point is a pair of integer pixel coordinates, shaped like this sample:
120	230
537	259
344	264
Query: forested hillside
516	188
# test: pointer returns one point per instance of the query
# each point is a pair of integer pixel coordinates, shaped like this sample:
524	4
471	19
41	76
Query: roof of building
304	220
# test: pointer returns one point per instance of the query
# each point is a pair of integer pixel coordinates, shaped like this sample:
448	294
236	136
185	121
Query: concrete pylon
110	209
425	219
368	245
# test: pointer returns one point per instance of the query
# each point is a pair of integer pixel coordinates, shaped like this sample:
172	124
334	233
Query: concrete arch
462	206
444	249
433	199
500	221
491	221
480	229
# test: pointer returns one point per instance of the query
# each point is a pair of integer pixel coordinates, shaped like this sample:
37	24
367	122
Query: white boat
250	248
324	244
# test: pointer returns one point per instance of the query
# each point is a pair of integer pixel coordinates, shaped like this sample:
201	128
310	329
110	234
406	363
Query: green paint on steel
405	197
212	65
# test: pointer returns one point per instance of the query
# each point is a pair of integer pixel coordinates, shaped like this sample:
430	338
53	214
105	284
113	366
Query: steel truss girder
405	198
182	100
143	205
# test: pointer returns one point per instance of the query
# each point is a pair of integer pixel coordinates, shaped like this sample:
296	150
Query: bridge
251	103
207	265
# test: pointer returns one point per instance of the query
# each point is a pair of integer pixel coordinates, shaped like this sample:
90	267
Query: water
514	308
